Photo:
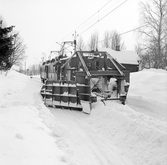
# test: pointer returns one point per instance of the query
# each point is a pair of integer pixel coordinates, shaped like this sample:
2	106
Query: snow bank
10	85
150	84
57	128
148	92
27	127
141	138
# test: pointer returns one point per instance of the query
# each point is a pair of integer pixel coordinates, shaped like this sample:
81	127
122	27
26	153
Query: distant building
129	59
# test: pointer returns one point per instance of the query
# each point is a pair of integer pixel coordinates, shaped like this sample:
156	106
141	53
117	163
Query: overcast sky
42	23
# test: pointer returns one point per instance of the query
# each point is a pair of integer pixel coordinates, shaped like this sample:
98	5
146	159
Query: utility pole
75	35
25	68
44	56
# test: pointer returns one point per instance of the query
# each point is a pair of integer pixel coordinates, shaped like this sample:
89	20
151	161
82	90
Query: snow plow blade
86	107
67	95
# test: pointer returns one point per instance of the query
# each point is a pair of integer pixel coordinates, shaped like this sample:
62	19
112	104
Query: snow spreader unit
76	82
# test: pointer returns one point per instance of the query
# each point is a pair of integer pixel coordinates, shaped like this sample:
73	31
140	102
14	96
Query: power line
88	18
100	18
104	16
126	32
94	14
133	29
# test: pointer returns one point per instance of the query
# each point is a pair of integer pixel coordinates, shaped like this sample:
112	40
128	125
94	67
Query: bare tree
93	43
165	51
34	69
145	59
153	14
18	54
113	40
107	39
81	44
138	49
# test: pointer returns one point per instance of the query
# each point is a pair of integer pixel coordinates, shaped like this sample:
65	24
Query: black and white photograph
83	82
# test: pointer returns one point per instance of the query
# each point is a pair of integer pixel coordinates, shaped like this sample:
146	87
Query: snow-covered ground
148	93
114	134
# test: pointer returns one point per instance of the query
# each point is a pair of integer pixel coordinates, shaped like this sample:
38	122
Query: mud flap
86	107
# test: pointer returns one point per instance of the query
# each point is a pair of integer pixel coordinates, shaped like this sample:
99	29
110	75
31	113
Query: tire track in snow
89	148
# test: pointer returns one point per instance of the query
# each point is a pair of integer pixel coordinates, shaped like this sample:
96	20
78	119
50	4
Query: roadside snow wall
141	138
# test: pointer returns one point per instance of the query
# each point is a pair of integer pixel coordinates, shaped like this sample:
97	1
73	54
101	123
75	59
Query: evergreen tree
6	46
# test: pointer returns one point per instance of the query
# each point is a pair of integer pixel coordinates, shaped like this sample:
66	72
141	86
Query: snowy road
88	146
112	134
80	140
